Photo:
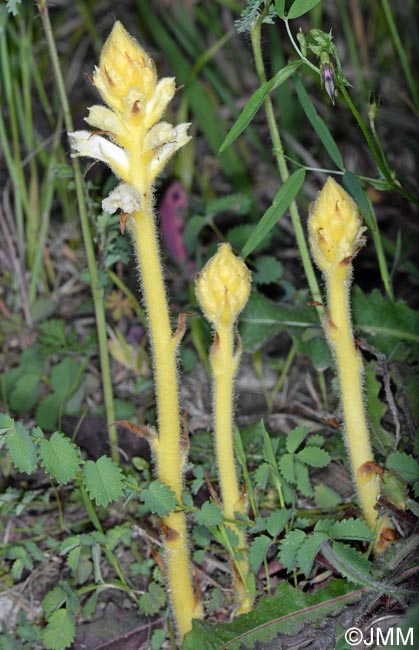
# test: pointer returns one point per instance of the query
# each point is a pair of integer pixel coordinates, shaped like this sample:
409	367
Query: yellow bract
223	286
137	145
124	69
335	227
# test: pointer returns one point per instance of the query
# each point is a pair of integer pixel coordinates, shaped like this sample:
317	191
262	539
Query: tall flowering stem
222	290
137	147
336	235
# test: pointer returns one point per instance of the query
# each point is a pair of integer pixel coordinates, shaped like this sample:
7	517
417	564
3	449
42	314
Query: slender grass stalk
398	46
97	292
283	168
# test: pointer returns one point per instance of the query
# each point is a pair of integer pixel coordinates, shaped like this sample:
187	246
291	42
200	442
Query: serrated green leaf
404	464
22	449
60	631
53	600
157	639
59	457
267	270
255	102
303	479
281	202
288	548
257	551
209	515
318	123
262	319
153	600
287	466
159	498
316	440
103	480
384	323
356	529
6	423
295	438
376	408
262	475
25	393
277	521
308	550
325	497
314	456
288	612
238	203
65	376
301	7
349	562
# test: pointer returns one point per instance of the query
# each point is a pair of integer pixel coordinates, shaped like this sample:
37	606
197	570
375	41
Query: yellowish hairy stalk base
335	231
167	445
224	367
350	371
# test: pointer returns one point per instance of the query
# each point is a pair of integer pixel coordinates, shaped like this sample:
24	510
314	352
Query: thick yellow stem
167	446
224	365
350	371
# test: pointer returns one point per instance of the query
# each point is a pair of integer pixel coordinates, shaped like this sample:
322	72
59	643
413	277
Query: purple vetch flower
328	81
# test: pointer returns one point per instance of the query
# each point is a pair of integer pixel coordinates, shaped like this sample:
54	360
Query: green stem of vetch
283	169
97	291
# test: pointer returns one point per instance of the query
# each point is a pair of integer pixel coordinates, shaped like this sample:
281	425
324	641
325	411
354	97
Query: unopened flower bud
223	286
335	228
123	66
329	81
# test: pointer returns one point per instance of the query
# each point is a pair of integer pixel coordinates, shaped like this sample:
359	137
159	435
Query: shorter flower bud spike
223	286
335	227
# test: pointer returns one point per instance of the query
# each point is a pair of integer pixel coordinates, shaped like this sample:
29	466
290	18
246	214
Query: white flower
85	143
179	137
124	197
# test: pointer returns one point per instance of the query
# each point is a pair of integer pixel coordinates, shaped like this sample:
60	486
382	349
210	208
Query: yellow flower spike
335	233
222	290
123	67
137	146
335	228
224	280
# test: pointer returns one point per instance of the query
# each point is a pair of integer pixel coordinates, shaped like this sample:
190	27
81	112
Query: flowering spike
335	228
222	289
140	145
223	286
138	148
335	233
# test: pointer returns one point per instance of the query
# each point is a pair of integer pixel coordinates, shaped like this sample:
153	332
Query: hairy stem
224	366
167	449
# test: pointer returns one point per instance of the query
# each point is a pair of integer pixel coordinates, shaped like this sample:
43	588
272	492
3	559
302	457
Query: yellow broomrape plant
336	235
222	290
130	137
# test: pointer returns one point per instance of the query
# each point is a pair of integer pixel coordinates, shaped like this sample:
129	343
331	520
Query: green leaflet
286	613
256	101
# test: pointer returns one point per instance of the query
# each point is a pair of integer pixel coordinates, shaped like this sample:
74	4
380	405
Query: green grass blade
318	124
281	202
256	101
